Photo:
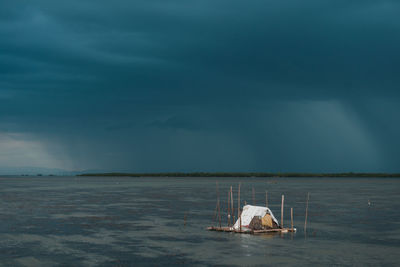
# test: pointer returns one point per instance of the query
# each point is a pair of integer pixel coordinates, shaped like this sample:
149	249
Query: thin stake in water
305	221
232	207
254	196
218	207
239	217
291	217
283	200
229	206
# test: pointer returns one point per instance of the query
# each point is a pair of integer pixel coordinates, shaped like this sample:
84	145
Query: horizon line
244	174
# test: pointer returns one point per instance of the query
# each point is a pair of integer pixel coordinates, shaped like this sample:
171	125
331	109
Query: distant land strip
243	174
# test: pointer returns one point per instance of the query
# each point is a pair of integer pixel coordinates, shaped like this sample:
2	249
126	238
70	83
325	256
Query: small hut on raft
251	219
256	218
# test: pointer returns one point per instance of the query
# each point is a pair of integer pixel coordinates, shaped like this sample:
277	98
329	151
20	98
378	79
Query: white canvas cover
249	212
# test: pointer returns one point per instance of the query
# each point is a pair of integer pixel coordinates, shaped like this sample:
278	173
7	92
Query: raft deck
230	229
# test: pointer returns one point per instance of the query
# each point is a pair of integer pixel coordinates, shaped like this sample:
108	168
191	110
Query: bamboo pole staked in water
232	207
215	214
305	221
283	200
291	217
218	207
229	206
266	199
239	217
254	195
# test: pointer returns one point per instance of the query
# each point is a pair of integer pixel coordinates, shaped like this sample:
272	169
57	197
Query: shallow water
121	221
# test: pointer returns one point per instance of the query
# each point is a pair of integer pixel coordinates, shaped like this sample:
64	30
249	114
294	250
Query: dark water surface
104	221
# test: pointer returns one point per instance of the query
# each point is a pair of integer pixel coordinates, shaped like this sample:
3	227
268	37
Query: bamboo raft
230	229
246	230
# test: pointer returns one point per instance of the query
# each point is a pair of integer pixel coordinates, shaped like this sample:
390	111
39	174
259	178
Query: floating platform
230	229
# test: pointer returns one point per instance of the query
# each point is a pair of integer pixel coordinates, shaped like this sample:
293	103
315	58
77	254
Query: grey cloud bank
200	85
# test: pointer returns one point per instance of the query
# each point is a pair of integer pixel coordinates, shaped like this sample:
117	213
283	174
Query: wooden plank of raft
220	229
229	229
284	230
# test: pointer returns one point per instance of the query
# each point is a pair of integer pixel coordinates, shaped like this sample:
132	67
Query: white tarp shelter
249	212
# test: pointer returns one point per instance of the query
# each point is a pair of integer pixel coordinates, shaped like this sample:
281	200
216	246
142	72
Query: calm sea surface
117	221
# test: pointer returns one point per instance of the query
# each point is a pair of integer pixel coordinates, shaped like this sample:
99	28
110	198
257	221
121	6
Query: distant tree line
244	174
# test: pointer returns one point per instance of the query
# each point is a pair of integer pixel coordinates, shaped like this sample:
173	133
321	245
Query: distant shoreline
245	174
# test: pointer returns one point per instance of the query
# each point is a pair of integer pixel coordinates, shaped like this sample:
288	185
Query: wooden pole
254	196
266	199
219	208
229	206
215	214
291	217
305	221
239	217
232	208
283	200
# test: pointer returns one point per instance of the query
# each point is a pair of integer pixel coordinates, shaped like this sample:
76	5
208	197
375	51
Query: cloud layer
202	85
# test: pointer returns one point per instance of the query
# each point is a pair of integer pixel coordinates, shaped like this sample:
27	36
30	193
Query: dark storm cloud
161	85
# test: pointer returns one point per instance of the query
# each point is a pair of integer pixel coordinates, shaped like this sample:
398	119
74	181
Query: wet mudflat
122	221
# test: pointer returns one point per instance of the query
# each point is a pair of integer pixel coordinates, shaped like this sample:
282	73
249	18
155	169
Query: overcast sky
200	85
